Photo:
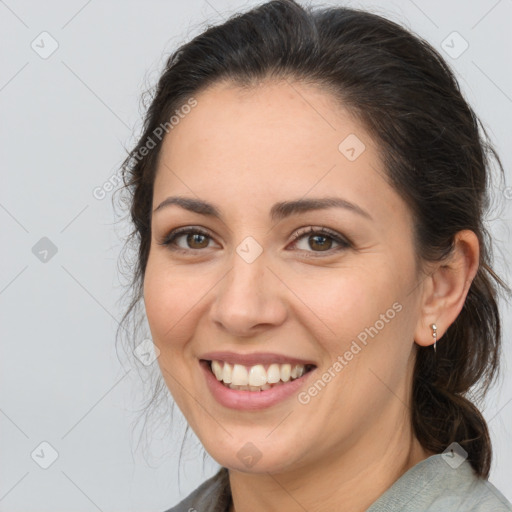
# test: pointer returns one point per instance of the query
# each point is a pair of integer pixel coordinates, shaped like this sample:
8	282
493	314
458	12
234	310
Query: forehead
272	140
263	123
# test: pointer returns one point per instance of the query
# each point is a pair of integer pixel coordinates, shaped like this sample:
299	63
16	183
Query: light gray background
64	121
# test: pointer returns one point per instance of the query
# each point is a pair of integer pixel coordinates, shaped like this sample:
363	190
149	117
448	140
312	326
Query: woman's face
248	294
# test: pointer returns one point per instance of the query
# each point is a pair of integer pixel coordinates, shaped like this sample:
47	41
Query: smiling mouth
258	377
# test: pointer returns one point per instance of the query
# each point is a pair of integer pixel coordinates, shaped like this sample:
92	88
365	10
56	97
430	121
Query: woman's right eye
191	239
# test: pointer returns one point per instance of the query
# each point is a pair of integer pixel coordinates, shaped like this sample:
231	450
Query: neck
353	479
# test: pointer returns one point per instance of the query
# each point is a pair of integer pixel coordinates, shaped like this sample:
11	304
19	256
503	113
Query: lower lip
250	400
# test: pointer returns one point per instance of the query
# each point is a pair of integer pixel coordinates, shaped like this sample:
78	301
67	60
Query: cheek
348	300
172	301
171	297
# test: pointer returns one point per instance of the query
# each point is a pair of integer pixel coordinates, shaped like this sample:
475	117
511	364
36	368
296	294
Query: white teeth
257	375
227	373
240	376
217	369
273	374
297	371
255	378
285	372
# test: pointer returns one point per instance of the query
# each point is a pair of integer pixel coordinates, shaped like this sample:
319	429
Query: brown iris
201	239
320	246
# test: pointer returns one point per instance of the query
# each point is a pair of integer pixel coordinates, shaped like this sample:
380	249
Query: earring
434	334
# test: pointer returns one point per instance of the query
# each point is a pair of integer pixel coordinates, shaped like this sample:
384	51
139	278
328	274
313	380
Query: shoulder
213	495
437	484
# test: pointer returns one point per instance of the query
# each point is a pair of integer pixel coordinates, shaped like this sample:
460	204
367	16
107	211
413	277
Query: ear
445	290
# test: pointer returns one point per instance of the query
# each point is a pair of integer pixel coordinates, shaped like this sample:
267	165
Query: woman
307	199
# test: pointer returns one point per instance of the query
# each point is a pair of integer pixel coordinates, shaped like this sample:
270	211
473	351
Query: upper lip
254	358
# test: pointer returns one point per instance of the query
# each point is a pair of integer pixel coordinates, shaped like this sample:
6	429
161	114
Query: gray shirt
432	485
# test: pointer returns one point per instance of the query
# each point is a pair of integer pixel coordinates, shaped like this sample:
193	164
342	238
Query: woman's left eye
320	239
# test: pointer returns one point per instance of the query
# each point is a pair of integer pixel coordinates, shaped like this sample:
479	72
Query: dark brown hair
434	153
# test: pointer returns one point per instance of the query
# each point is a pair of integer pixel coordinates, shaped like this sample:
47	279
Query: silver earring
434	334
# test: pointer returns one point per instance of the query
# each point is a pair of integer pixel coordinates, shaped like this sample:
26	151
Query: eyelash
343	242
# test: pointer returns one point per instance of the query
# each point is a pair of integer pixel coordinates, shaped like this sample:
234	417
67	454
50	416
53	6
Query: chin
253	457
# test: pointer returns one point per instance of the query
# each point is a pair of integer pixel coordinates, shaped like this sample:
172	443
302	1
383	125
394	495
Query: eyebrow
278	211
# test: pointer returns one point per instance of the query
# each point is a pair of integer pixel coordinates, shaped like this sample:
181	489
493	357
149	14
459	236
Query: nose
249	299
